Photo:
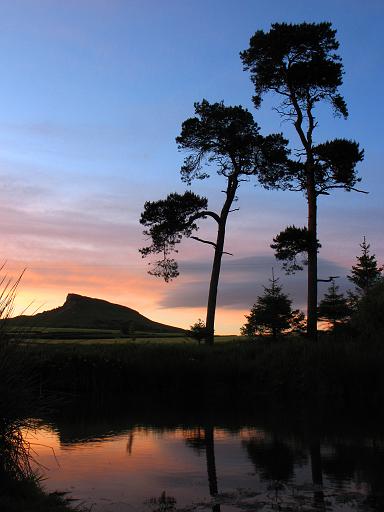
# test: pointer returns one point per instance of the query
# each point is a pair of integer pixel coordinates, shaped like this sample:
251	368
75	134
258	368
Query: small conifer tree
368	318
334	307
272	313
365	273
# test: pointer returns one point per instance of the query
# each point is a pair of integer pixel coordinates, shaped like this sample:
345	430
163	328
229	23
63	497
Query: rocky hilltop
83	312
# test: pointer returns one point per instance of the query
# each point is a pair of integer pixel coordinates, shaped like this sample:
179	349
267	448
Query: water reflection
116	465
204	439
273	459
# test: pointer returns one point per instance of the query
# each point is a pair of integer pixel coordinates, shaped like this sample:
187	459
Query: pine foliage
272	313
366	272
334	307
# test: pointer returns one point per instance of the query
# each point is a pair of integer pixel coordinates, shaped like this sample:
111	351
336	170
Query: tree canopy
291	243
167	222
297	61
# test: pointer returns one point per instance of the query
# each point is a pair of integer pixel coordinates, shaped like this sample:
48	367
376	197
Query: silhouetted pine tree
299	64
366	272
334	306
272	313
226	139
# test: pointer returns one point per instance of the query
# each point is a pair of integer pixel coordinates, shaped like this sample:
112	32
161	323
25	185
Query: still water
120	466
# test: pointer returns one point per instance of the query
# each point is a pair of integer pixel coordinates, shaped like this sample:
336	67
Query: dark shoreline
328	375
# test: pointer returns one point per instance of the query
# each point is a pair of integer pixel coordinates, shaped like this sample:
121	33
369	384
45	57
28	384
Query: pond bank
329	373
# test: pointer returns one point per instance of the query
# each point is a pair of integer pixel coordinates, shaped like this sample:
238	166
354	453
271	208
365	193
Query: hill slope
89	313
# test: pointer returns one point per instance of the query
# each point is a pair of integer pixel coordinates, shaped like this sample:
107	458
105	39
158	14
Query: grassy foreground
28	496
337	373
20	488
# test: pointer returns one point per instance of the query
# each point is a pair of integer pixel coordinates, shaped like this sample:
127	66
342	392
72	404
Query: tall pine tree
299	64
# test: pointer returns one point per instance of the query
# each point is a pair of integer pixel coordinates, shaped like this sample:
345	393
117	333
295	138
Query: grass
68	335
328	373
140	339
27	496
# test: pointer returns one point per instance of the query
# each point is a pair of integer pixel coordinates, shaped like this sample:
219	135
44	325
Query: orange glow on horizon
45	286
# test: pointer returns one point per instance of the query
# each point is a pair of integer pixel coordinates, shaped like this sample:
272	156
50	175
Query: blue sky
93	94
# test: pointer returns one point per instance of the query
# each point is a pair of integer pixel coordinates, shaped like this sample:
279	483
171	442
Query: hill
83	312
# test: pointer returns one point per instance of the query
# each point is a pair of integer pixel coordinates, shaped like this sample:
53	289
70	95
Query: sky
92	96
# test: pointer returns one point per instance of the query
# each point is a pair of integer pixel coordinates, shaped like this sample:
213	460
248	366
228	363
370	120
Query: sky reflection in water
208	468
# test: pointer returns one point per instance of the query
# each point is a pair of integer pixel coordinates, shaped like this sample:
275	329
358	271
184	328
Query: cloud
242	281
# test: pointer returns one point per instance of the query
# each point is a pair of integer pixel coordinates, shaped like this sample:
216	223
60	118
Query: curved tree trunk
216	266
214	283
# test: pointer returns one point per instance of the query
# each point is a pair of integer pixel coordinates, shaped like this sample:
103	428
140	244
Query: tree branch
328	280
324	192
358	190
203	241
205	213
209	243
299	119
311	121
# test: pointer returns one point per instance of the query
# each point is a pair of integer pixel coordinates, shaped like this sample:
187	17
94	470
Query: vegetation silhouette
198	331
272	314
365	274
20	487
368	318
229	139
334	306
299	63
164	503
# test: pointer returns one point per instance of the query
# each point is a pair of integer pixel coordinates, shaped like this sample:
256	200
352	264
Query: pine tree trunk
214	283
216	266
312	260
306	140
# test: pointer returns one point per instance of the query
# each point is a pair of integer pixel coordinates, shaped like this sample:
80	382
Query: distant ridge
83	312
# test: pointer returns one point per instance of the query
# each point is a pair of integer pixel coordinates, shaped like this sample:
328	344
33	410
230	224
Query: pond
114	464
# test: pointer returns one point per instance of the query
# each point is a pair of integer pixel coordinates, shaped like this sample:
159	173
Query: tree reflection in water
275	461
348	466
204	439
317	475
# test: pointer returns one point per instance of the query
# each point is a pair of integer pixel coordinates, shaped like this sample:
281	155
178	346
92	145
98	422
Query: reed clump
343	372
20	487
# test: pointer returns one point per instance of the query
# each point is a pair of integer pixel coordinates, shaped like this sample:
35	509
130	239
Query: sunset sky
93	94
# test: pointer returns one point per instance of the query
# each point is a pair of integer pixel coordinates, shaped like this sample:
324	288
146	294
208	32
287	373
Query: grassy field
42	335
331	373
